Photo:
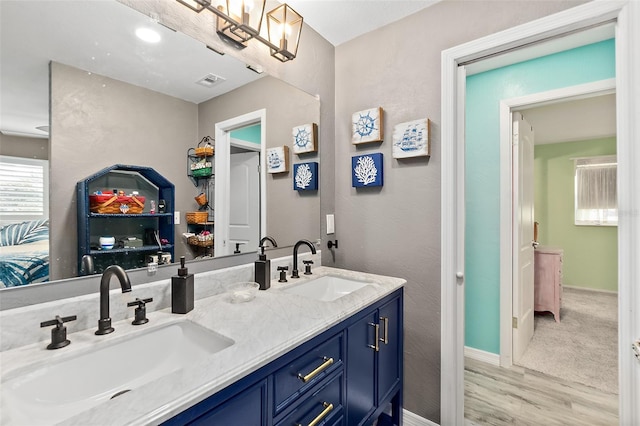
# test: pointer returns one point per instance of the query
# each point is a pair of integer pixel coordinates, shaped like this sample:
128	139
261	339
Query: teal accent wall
482	170
590	252
248	134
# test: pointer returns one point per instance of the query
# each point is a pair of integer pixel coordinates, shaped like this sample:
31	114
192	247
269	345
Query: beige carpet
583	347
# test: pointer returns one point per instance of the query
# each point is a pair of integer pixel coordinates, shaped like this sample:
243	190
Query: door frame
627	16
223	129
508	206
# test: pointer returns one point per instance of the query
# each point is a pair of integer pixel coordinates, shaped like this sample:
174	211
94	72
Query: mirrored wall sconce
238	21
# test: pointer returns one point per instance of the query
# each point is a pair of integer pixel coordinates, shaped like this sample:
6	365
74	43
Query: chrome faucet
294	272
104	323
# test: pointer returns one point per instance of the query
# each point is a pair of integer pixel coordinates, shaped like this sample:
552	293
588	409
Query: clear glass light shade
284	26
195	5
247	15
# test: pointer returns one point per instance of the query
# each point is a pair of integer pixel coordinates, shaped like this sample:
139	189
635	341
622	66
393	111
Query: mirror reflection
121	101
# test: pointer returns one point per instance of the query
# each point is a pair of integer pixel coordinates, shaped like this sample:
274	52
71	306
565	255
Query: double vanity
322	349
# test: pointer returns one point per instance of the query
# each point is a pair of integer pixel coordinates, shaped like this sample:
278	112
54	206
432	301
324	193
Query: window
24	189
595	191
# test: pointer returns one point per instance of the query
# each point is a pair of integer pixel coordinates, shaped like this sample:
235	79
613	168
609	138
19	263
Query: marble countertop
263	329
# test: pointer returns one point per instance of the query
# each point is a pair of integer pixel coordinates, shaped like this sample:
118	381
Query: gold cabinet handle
327	362
376	339
327	409
385	334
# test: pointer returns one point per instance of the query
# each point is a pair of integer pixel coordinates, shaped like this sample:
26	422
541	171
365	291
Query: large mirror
115	99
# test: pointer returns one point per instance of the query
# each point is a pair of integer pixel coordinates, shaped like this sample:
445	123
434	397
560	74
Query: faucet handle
59	333
307	266
141	310
283	273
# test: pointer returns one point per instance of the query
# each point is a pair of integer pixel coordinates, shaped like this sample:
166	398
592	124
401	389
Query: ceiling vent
210	80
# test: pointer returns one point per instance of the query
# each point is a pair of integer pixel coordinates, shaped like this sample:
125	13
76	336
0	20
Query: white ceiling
339	21
97	36
575	120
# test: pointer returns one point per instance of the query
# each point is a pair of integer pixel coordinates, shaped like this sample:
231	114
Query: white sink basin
326	288
61	389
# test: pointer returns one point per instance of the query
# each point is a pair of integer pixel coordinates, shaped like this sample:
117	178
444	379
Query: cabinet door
245	409
389	354
361	400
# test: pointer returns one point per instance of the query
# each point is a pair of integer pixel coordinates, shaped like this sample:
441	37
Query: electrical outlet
152	268
176	218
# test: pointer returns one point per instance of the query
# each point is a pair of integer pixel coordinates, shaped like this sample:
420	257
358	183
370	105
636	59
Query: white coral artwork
303	176
366	170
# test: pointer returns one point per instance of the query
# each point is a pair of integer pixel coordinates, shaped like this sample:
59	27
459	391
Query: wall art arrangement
305	138
278	159
366	170
305	176
412	139
367	126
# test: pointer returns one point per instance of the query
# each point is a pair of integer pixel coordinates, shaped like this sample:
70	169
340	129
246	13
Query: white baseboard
594	290
480	355
410	419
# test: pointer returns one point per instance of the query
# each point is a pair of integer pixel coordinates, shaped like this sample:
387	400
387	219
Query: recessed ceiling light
148	35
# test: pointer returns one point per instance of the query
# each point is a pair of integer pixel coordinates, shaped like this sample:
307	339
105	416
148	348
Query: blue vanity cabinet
374	365
334	379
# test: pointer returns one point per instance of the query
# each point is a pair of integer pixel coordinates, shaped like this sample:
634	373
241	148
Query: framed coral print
366	170
367	126
278	159
305	138
412	139
305	176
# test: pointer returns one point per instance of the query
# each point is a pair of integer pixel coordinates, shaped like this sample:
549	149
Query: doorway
577	342
627	16
510	289
240	193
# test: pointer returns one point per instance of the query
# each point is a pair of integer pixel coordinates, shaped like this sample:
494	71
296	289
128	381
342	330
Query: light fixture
238	21
284	25
148	35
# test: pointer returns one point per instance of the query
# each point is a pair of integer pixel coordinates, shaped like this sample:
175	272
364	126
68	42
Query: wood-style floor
519	396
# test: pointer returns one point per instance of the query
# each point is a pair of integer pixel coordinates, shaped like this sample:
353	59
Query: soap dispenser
263	265
182	290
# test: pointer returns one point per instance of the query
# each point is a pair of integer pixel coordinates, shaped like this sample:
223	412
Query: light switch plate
176	218
331	224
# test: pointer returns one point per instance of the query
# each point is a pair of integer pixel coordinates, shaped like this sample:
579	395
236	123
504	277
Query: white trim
482	356
411	419
508	193
592	290
627	14
222	159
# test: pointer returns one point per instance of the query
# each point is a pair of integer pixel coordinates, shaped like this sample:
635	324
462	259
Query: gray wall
97	122
17	146
291	215
396	230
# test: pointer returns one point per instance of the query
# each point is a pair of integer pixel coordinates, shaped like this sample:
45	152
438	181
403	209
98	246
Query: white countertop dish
261	329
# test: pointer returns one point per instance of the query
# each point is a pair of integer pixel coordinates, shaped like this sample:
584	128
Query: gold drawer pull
376	339
327	362
385	339
327	409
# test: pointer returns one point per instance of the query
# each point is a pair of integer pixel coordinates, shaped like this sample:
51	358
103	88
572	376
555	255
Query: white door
523	235
244	202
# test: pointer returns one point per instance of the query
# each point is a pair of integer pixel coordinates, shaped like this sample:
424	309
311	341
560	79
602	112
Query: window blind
23	189
595	191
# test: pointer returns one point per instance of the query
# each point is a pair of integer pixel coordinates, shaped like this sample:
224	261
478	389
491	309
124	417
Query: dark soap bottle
182	290
262	270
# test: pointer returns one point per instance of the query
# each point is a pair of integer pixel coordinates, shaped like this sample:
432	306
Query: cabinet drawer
304	372
323	407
